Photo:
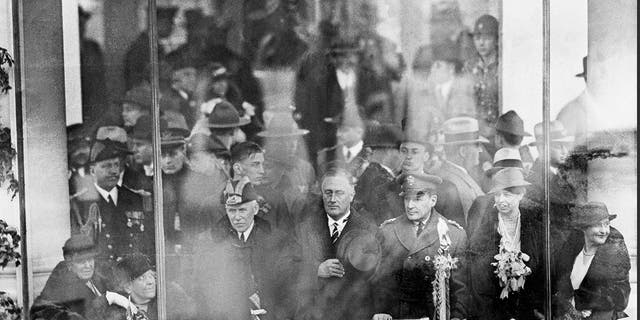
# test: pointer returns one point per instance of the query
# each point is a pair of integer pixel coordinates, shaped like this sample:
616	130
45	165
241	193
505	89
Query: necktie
93	288
334	233
110	200
420	228
242	237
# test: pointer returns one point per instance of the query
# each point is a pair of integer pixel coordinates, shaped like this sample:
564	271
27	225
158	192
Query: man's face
142	151
186	79
559	152
82	267
349	136
220	86
486	44
107	173
143	288
241	216
165	27
173	160
418	206
130	114
414	155
273	172
337	194
251	167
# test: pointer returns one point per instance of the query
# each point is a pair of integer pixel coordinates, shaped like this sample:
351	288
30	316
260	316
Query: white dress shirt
246	233
105	194
353	151
341	223
580	267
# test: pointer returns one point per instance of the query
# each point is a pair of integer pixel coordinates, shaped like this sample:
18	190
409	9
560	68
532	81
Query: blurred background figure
92	74
574	114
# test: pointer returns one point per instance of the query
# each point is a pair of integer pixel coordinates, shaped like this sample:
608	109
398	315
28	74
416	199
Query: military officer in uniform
403	280
111	214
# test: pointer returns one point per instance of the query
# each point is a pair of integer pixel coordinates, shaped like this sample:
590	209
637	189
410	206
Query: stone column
46	189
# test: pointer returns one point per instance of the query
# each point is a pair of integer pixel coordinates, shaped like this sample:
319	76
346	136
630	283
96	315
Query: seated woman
591	273
500	289
136	294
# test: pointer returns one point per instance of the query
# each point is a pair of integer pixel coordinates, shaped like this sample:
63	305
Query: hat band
508	163
465	136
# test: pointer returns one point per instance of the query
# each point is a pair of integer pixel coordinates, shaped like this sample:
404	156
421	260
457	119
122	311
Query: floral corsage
511	270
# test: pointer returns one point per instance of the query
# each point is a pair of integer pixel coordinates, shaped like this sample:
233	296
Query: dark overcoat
484	285
605	288
373	176
402	285
331	298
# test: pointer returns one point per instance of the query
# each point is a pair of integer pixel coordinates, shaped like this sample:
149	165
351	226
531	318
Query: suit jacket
331	298
374	175
64	288
605	288
402	282
468	189
390	204
117	230
484	285
268	262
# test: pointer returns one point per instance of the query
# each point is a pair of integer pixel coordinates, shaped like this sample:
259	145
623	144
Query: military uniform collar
405	232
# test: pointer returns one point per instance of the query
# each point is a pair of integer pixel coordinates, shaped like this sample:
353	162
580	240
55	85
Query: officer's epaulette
387	222
455	224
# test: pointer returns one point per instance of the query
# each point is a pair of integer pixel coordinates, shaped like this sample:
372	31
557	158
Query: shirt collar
120	179
340	222
355	150
105	194
247	232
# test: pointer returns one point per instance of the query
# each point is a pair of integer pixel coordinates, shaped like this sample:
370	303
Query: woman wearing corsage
506	252
591	278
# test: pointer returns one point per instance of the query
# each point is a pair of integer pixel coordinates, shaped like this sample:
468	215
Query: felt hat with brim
114	133
135	265
105	150
505	158
584	68
486	24
588	214
79	246
143	129
139	96
282	125
414	183
557	133
462	130
238	192
510	122
507	178
360	249
380	136
166	12
225	115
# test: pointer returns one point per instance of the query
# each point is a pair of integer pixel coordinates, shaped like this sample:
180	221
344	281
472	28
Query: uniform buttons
107	236
109	247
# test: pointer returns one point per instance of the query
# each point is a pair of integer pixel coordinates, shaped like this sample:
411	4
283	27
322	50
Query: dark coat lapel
405	233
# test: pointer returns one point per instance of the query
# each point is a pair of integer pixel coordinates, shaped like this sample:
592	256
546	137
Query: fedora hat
505	158
507	178
135	265
280	125
106	149
557	133
587	214
173	137
461	130
79	246
225	115
143	129
510	122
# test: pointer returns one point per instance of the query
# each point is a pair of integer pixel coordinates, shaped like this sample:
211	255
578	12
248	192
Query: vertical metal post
17	72
546	119
157	170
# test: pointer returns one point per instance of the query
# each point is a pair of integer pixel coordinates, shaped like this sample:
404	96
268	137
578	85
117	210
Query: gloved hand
118	299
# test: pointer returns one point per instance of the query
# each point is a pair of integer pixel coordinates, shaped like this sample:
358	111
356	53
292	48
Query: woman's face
143	288
597	234
506	201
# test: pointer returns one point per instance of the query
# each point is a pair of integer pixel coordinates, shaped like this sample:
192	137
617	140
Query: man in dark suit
410	242
333	282
349	150
247	160
114	215
249	263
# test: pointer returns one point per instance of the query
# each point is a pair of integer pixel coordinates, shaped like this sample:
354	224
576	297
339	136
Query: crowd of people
361	202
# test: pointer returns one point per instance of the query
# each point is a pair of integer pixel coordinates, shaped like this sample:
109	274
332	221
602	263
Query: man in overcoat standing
410	242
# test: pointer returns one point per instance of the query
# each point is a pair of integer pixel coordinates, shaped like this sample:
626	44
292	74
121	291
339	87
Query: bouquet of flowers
443	263
511	270
9	310
9	242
